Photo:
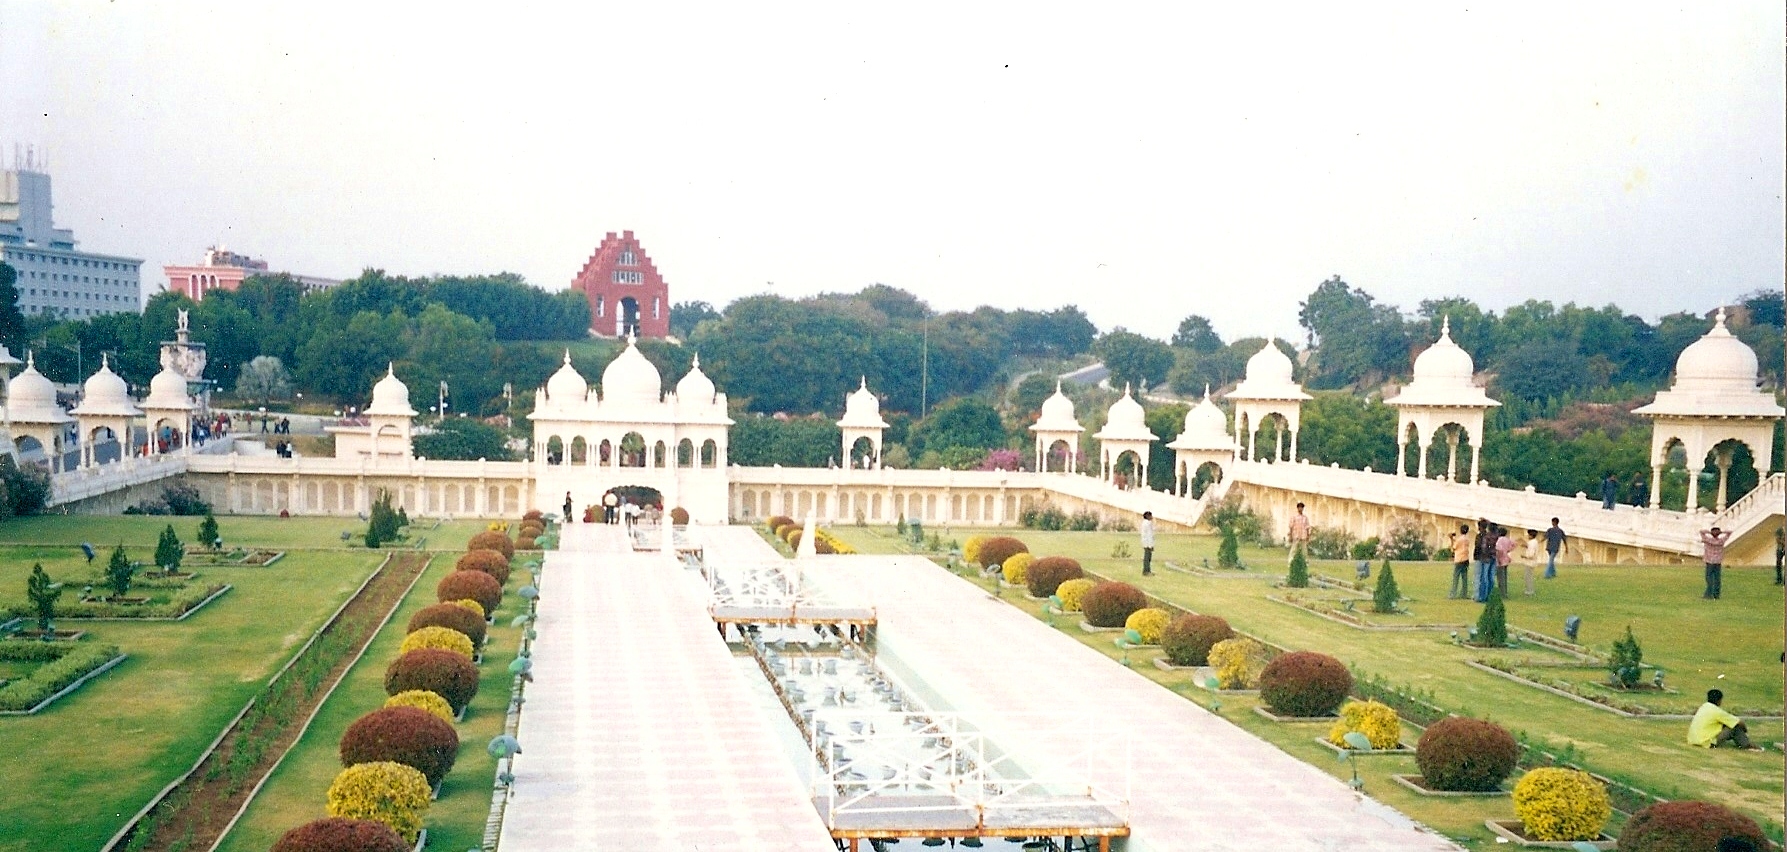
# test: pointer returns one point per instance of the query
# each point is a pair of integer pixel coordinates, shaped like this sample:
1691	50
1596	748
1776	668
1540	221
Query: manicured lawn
1694	641
106	531
296	791
83	767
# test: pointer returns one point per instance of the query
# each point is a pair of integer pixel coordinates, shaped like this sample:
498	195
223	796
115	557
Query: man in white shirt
1147	544
1299	535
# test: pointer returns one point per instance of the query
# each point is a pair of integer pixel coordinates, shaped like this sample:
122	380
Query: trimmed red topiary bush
452	616
492	540
1305	683
406	735
1188	639
679	516
337	834
444	673
1045	575
777	522
473	585
1460	754
491	562
534	515
1687	826
1110	604
995	550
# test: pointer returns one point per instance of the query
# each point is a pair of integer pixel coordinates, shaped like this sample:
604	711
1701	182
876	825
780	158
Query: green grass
138	531
1694	641
295	793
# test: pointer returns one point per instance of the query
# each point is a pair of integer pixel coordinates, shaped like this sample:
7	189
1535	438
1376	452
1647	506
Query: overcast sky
1143	164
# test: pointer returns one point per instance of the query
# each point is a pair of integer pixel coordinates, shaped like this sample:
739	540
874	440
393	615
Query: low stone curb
1394	628
1087	627
1509	829
103	668
1400	749
1295	719
1405	781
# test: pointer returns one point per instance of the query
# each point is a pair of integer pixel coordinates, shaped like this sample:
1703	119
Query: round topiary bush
795	534
492	540
531	526
533	515
1150	623
971	549
444	673
336	834
996	549
1687	826
406	735
489	561
386	791
1377	721
1558	804
528	531
1014	570
444	638
1110	604
1188	639
679	516
1305	683
1238	662
453	616
776	522
527	542
476	585
470	605
1073	592
423	700
1459	754
1045	575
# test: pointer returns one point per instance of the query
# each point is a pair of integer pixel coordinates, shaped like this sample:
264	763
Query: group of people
616	510
1491	551
1636	489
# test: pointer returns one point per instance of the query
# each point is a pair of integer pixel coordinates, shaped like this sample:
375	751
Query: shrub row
174	607
53	676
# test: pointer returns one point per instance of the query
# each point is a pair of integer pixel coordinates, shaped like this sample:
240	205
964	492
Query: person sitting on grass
1713	726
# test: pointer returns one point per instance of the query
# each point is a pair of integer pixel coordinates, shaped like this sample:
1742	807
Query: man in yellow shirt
1713	727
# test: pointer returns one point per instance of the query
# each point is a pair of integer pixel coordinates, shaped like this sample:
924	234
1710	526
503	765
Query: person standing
568	506
1713	541
1529	558
1714	726
1147	543
1484	550
1780	552
1461	563
1298	535
610	503
1609	492
1554	545
1640	493
1504	556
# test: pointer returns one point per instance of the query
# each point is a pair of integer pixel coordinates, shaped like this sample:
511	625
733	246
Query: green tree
1492	623
758	441
962	422
118	572
1165	421
382	524
1385	597
1541	369
1228	549
1626	663
684	316
463	439
1198	335
1297	577
42	594
169	551
1134	360
1032	391
1356	339
209	535
12	320
1352	431
262	380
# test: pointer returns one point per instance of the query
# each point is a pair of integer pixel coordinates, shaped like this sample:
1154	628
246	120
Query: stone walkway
638	732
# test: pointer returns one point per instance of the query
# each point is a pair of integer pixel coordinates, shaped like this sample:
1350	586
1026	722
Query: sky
1144	162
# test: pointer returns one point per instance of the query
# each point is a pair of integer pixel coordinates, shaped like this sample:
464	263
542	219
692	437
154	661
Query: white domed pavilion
167	411
862	423
1056	426
1205	440
1714	405
1267	392
105	412
1443	397
38	423
1125	431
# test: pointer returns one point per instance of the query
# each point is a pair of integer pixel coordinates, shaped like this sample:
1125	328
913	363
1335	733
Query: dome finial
865	383
567	356
1446	327
390	368
1126	389
1719	318
30	359
695	363
1206	390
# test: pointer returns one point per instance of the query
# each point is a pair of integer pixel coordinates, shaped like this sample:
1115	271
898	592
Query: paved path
639	733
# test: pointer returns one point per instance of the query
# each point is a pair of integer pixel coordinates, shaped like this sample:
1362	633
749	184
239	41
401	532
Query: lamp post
443	399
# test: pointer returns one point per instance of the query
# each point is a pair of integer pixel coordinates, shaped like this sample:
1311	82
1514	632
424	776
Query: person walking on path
1484	551
1554	545
1298	535
1780	552
1609	492
1461	563
1714	726
1529	558
1147	543
1504	556
1714	541
568	506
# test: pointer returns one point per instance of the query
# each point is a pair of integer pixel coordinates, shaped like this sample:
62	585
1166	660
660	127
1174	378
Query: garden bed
34	635
1419	785
1356	619
1305	719
1590	692
235	557
1513	831
1087	627
65	668
175	608
1401	748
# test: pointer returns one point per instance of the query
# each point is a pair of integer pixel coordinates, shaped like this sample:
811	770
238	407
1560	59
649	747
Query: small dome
862	410
1444	364
33	397
1269	377
630	378
695	387
1716	362
167	391
1125	421
567	387
1206	428
105	394
1057	414
390	397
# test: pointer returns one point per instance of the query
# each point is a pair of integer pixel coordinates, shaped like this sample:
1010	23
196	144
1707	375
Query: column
1294	430
1722	458
1402	452
1278	441
1476	453
1421	444
1656	486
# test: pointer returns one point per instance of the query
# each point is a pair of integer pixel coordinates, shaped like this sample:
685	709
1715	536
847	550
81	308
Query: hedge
53	676
339	834
406	735
491	562
492	540
444	673
452	616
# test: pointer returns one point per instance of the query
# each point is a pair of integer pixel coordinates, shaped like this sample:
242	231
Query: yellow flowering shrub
498	526
444	638
1072	591
1238	662
1376	720
1151	622
422	699
1016	568
971	549
472	605
1558	804
386	792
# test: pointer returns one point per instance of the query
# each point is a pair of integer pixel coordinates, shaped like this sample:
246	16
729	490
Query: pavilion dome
33	397
566	386
167	391
631	379
105	394
1716	376
1057	414
1444	364
390	397
695	387
1269	377
862	410
1125	421
1206	428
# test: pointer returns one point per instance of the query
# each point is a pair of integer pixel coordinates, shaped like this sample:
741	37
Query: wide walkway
638	732
1197	781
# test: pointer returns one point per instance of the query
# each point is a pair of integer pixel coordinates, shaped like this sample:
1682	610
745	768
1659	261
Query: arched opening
685	453
1126	470
103	445
658	454
1449	454
579	450
632	450
710	453
605	453
626	320
643	496
555	450
862	453
1271	439
1207	474
1058	457
1409	462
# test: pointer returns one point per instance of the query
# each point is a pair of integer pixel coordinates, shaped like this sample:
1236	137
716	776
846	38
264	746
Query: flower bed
1512	831
155	608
